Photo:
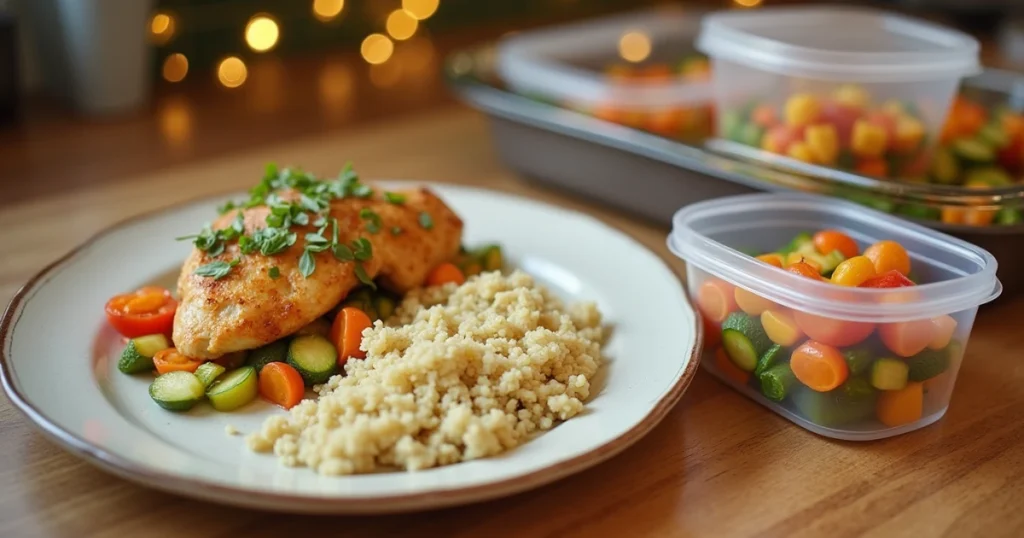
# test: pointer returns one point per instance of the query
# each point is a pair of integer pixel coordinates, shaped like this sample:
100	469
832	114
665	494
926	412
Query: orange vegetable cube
827	241
953	215
801	152
795	258
853	271
765	116
873	167
907	338
831	331
772	259
823	142
780	327
715	299
888	255
979	217
909	134
851	95
779	138
942	331
900	407
802	109
666	121
869	139
727	368
751	303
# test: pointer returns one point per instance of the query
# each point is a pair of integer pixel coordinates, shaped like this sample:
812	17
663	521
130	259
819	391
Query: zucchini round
177	391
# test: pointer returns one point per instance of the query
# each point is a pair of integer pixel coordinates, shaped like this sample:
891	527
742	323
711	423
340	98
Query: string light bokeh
634	46
327	10
261	33
175	67
376	48
232	72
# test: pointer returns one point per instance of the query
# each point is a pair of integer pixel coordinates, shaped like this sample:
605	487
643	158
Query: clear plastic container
854	89
640	70
883	361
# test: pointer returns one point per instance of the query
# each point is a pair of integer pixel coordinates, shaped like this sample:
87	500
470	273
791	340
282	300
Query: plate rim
256	498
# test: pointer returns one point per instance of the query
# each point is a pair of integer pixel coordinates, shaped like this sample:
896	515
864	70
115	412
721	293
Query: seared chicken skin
247	308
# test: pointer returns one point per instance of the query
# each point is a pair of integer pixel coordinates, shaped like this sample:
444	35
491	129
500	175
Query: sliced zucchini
847	404
769	359
177	391
919	211
490	258
234	389
858	360
276	351
314	357
889	374
928	364
945	169
385	306
208	372
988	176
1008	216
801	239
151	344
750	135
994	135
137	356
973	151
777	381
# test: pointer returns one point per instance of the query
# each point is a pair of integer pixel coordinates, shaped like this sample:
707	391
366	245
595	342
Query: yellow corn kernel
802	109
868	140
909	133
801	152
823	141
851	95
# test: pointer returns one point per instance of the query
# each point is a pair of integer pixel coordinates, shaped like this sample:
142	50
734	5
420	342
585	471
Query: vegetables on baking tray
834	373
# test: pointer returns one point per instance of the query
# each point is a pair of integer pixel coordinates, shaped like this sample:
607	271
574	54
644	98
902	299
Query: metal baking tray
649	176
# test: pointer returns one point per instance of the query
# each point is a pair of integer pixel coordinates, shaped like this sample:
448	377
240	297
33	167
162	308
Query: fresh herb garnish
218	269
426	221
363	277
396	230
394	198
225	207
308	205
307	264
373	222
274	273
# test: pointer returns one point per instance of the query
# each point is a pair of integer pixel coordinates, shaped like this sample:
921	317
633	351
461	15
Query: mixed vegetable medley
683	122
845	130
280	371
834	373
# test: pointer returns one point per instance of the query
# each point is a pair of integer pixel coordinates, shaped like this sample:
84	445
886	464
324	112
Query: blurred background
192	78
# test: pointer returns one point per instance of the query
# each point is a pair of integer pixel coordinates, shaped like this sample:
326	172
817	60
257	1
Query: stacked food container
850	103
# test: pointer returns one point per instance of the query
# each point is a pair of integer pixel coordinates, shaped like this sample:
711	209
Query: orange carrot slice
444	274
716	300
819	366
347	333
280	383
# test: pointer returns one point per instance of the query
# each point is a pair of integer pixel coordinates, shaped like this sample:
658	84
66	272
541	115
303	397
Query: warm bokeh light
267	78
401	25
336	88
634	46
386	75
174	116
175	67
376	48
420	9
418	57
261	33
231	72
747	3
161	28
326	10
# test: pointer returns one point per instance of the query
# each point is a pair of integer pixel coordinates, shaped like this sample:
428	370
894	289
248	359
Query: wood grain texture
719	464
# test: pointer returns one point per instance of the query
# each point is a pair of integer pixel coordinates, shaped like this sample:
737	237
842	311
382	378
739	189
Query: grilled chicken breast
247	308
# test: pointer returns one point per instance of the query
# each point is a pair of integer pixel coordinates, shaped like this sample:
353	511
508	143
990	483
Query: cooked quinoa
458	373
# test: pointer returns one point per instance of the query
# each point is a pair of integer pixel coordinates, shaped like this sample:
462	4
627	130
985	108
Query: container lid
548	62
845	44
974	268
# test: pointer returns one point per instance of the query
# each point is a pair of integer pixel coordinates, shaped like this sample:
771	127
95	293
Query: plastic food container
881	361
639	70
854	89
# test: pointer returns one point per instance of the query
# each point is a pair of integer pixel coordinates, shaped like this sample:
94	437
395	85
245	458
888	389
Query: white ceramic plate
59	366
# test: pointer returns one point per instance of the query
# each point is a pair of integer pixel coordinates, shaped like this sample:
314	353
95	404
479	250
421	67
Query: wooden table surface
718	465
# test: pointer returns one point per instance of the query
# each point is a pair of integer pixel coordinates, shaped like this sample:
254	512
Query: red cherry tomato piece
148	310
889	279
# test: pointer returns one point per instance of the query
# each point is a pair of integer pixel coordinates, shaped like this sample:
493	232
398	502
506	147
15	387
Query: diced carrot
819	366
900	407
444	274
729	369
942	331
888	255
979	217
765	116
750	302
780	327
347	333
772	259
170	360
712	333
827	241
907	338
282	384
716	300
804	268
872	167
831	331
